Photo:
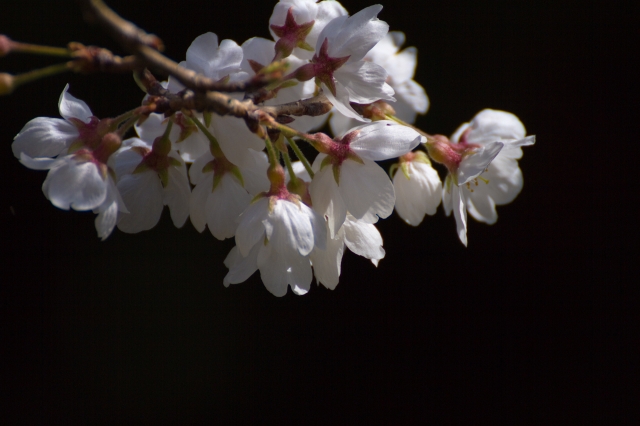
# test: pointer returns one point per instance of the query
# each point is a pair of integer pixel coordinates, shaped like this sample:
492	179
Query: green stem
127	125
30	76
41	50
300	156
287	162
216	151
271	152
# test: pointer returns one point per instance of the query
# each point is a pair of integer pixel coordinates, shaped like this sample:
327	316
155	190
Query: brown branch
146	47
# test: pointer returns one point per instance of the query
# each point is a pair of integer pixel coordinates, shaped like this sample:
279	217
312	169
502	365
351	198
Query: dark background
531	324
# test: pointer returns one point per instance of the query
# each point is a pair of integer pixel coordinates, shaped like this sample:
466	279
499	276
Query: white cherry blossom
502	180
299	23
221	62
45	137
411	98
339	64
83	181
347	177
151	176
276	236
418	188
223	191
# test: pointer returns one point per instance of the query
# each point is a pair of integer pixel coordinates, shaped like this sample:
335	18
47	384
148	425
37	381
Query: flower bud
6	84
442	151
5	45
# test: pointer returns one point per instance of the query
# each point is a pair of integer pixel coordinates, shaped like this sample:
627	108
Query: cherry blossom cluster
291	220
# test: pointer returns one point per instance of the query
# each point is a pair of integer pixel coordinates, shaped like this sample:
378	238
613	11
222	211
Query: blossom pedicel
219	157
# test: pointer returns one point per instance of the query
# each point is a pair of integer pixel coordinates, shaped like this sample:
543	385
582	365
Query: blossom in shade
347	177
83	181
221	62
151	176
45	137
417	186
223	191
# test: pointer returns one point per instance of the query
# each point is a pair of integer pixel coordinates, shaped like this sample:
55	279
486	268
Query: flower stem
271	152
300	156
127	125
214	146
30	76
287	162
35	49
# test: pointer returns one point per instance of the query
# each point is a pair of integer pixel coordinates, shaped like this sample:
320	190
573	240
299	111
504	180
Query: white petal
224	206
257	49
255	175
363	239
292	228
341	102
402	66
299	275
382	140
364	81
235	138
151	128
142	194
37	163
418	195
215	62
125	160
366	188
106	220
340	123
76	185
474	164
177	194
273	270
71	107
460	213
44	137
240	268
412	95
251	229
357	35
492	125
195	170
327	263
326	197
197	202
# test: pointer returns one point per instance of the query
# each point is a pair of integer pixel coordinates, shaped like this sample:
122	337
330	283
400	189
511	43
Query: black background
531	324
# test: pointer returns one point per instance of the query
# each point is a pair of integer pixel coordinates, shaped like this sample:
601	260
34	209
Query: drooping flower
276	234
151	176
223	191
339	65
83	181
347	177
411	98
360	237
417	186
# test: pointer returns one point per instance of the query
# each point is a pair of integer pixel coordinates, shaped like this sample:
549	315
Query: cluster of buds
232	171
